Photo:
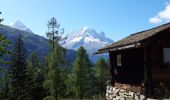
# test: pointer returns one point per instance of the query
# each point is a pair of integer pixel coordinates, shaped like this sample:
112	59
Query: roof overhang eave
128	46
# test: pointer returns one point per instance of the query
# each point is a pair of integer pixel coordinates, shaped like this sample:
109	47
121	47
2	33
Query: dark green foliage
4	43
102	75
64	80
19	76
54	33
69	91
49	98
53	80
36	77
80	75
93	85
5	87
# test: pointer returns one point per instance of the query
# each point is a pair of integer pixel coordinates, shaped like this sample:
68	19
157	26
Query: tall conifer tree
80	74
4	78
20	89
55	59
101	72
4	43
36	77
55	33
53	81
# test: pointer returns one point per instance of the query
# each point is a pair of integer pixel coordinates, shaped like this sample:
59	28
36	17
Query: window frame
119	60
164	55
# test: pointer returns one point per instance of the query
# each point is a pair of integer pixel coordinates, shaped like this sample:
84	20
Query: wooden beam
123	47
147	72
111	64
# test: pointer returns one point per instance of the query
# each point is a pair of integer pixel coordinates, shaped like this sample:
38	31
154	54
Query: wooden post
111	64
147	72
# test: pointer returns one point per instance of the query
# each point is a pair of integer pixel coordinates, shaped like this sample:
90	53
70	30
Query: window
166	55
119	60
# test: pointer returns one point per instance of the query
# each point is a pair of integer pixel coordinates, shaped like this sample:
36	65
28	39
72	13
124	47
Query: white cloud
162	16
155	20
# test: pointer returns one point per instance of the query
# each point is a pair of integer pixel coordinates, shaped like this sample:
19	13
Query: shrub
49	98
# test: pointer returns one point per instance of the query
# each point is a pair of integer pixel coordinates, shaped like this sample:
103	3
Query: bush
49	98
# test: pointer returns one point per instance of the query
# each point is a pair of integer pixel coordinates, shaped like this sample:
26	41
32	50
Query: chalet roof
134	38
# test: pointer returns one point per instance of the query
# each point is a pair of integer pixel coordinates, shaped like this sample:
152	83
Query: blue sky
117	18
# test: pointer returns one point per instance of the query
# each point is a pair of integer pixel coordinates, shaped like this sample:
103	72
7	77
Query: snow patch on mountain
19	25
87	37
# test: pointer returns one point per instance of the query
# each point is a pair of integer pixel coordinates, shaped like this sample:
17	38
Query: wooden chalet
142	60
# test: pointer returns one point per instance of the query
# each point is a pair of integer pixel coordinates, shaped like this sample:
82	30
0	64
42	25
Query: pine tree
54	81
36	77
101	72
55	59
5	87
4	43
4	78
54	34
80	74
19	76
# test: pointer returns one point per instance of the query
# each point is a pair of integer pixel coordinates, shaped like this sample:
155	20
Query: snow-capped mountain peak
19	25
87	37
88	31
84	29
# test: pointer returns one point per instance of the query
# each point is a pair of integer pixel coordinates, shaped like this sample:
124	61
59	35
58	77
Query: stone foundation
115	93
